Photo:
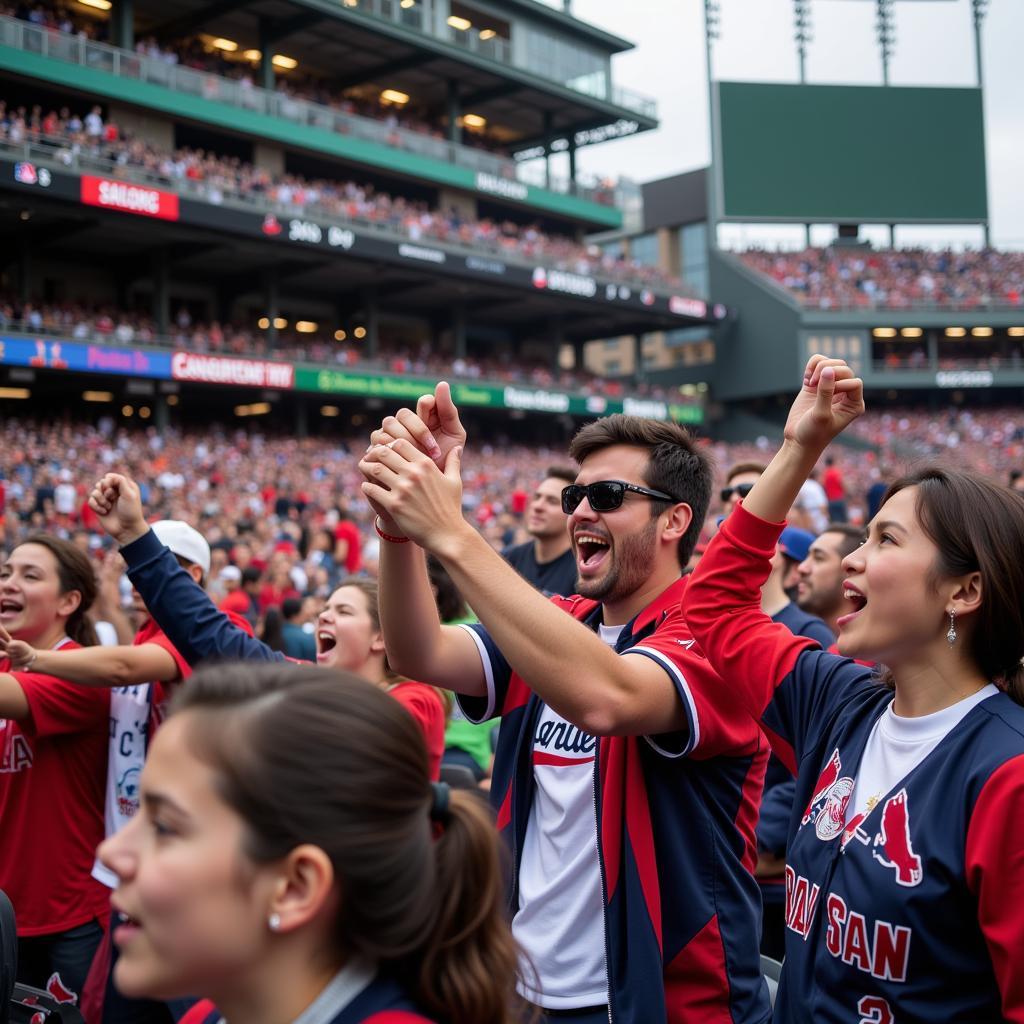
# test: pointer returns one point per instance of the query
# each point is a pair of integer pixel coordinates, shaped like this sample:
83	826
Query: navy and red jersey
912	913
675	821
53	776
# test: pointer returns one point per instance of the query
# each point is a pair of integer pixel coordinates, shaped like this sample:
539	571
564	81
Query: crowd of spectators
101	324
214	179
198	54
858	277
275	502
195	53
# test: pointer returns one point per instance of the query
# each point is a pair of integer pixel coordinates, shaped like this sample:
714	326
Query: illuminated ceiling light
956	332
360	333
252	55
408	3
340	335
127	410
306	327
98	396
1015	332
474	121
15	393
351	3
280	323
329	410
460	23
394	96
100	5
173	399
884	332
981	332
263	323
144	412
911	332
487	33
279	60
228	45
256	409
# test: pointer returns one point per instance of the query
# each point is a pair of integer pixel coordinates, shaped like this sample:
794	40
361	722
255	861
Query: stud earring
274	922
951	633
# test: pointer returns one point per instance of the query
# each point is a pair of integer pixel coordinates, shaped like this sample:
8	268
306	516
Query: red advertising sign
129	197
255	373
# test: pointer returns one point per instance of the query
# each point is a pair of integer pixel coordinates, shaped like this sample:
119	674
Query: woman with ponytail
53	768
905	860
292	862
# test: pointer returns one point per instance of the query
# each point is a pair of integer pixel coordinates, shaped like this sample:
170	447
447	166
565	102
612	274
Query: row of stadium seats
85	322
191	52
73	135
838	278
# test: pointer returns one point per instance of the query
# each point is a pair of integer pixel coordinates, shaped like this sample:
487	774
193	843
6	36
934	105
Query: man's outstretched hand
117	502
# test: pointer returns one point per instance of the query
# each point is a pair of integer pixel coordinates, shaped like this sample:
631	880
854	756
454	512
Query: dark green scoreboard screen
849	153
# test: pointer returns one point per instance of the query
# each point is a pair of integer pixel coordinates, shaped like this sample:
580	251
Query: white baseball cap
231	572
184	541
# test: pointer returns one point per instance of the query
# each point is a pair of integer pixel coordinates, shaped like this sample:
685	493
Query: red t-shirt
425	705
53	773
347	530
832	483
238	602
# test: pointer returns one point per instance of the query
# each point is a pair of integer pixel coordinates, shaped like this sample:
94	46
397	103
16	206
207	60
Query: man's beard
632	564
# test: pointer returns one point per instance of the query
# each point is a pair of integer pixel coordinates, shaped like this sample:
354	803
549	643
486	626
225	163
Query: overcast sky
934	46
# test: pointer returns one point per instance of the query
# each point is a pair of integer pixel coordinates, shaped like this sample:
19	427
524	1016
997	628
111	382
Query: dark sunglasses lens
606	496
726	493
744	489
571	498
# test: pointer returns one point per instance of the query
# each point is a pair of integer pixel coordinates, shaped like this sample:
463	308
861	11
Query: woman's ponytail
469	965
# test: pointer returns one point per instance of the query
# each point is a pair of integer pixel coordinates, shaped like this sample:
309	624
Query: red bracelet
387	536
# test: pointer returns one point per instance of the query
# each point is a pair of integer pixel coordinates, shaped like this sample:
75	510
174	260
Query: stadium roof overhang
351	49
238	268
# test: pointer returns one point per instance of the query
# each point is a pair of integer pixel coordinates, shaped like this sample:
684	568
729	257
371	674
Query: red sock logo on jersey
897	851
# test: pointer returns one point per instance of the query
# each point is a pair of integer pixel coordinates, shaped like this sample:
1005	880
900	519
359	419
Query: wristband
387	536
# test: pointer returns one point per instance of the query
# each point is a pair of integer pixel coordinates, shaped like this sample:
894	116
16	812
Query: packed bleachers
70	135
102	324
845	278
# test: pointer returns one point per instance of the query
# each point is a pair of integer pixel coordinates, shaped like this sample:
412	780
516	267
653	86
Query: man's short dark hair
676	465
566	473
853	536
744	467
290	607
250	574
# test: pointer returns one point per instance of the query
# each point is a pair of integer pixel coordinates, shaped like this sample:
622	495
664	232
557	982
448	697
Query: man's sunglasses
605	495
741	489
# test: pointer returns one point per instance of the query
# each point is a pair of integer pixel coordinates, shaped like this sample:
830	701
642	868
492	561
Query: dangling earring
951	634
274	922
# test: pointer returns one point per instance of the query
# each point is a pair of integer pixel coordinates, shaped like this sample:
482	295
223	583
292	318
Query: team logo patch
892	846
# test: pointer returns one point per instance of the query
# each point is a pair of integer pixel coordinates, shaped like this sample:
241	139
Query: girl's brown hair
309	755
978	526
74	572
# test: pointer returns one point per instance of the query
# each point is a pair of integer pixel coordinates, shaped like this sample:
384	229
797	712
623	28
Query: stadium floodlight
802	34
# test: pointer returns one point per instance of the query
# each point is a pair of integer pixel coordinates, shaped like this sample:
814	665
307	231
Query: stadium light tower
979	9
802	33
886	26
712	31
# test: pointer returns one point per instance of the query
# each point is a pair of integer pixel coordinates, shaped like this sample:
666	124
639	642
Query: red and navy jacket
912	913
381	1002
675	821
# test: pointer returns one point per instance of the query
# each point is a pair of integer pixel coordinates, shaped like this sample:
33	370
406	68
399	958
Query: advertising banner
47	354
128	197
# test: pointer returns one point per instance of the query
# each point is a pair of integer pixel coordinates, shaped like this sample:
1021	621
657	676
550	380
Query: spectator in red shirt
348	544
53	768
835	491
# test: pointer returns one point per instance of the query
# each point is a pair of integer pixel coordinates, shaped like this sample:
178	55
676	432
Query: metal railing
60	154
138	67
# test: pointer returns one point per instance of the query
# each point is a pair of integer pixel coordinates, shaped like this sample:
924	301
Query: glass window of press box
693	256
577	66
